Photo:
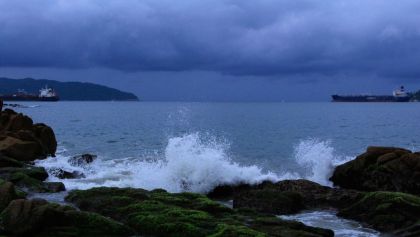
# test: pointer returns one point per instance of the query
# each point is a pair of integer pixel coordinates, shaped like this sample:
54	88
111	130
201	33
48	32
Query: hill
66	90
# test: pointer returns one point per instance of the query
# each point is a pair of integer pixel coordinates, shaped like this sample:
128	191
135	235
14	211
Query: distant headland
70	91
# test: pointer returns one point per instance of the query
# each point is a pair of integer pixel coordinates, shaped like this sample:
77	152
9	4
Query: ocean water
328	219
197	146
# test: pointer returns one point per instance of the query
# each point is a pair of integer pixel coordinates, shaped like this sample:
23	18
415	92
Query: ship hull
338	98
29	98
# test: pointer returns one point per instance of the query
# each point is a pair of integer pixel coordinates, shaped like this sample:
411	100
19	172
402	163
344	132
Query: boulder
63	174
270	201
226	191
54	187
381	169
22	140
19	149
315	195
387	211
159	213
82	160
37	217
30	179
7	194
286	197
12	121
9	162
46	136
38	173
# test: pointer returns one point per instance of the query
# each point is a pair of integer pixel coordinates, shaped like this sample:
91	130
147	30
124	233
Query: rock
315	195
38	173
159	213
20	150
276	227
47	137
22	140
62	174
287	196
37	217
270	201
381	169
226	192
387	211
54	187
9	162
12	121
30	179
82	160
7	194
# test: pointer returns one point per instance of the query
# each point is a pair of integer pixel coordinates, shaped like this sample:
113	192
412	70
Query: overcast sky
216	50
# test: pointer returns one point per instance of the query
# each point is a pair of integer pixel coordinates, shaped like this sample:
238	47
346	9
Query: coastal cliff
379	189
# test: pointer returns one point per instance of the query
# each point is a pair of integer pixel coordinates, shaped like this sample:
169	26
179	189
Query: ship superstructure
45	94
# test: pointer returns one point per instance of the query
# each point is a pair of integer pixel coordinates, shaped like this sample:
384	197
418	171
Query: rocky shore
379	188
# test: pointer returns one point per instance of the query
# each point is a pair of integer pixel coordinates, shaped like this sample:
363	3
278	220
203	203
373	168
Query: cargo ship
399	95
45	94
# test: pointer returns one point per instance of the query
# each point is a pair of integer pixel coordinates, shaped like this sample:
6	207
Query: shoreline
135	211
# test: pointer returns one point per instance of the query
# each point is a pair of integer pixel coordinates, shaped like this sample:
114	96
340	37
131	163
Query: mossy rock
30	179
385	211
224	230
7	194
159	213
39	218
381	169
38	173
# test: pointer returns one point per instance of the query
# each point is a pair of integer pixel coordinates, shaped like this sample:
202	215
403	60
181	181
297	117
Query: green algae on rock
160	213
37	217
30	178
7	193
386	211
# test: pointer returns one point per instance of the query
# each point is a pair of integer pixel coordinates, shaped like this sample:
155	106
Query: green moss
25	181
159	213
385	211
156	217
224	230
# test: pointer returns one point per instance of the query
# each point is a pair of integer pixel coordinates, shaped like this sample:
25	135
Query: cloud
239	37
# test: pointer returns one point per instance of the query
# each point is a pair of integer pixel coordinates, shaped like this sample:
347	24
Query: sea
194	147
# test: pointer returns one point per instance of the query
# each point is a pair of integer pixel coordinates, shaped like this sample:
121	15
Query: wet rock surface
387	211
22	140
82	160
63	174
287	196
37	217
158	213
381	169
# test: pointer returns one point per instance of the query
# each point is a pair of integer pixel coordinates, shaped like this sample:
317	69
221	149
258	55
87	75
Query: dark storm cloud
243	37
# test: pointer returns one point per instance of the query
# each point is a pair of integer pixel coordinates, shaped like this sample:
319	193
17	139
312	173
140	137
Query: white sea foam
328	219
191	163
319	158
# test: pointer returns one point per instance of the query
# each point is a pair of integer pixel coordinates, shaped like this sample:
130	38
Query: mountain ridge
70	91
